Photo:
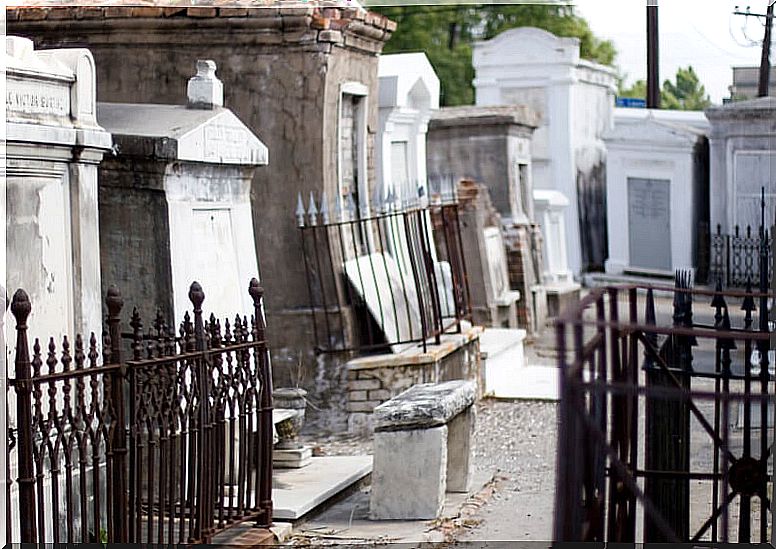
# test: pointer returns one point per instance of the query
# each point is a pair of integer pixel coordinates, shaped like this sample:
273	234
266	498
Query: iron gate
647	449
171	446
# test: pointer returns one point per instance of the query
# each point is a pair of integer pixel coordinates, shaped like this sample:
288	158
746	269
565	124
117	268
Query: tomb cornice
283	27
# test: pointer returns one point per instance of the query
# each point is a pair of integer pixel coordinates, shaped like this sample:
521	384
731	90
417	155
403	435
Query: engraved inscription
33	98
226	143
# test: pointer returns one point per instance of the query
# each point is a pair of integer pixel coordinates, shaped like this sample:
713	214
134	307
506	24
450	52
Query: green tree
686	93
446	32
637	91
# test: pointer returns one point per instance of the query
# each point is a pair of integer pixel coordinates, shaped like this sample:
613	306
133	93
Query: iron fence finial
312	211
21	307
196	296
324	211
300	213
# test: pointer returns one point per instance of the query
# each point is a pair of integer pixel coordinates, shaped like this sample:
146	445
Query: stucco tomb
54	144
575	100
656	191
409	92
175	201
743	160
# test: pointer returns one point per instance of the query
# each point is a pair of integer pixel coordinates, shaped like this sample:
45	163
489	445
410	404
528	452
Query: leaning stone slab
424	406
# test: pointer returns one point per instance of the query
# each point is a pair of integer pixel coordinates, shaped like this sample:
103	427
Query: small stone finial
205	90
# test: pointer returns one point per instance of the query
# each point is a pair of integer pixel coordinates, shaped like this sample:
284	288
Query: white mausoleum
657	182
575	100
409	92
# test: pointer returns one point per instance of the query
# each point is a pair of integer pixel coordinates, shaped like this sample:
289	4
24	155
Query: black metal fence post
264	497
20	308
120	512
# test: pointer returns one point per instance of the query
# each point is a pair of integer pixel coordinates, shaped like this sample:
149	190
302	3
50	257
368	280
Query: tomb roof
756	107
177	132
485	115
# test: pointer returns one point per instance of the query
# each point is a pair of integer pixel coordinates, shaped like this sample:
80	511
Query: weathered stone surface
409	474
424	406
460	450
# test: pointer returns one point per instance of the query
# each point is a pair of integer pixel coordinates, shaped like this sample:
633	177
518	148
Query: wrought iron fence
385	276
735	258
171	446
631	388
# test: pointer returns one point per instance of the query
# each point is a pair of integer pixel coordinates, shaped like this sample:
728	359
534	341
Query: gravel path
515	441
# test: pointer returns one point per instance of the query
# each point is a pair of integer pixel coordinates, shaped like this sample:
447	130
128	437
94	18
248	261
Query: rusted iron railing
735	258
171	446
646	418
386	275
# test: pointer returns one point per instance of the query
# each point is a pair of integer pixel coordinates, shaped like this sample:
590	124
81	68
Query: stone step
497	341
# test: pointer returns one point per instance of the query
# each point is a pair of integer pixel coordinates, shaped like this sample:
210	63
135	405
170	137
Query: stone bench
422	449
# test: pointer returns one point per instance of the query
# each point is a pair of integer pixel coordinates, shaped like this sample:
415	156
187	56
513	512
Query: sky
701	33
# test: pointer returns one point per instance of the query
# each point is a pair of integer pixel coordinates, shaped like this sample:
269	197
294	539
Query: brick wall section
368	388
328	23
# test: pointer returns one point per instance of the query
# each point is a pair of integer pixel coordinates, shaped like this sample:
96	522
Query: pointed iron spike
299	211
727	342
749	304
339	210
312	211
324	209
649	314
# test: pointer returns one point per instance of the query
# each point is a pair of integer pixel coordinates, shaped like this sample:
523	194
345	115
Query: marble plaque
390	296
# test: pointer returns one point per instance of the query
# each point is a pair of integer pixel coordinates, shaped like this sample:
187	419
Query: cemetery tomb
175	201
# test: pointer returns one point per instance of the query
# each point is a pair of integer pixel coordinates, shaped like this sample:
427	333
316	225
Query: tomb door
649	223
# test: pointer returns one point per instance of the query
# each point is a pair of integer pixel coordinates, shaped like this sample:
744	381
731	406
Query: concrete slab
347	521
531	383
494	341
298	491
504	357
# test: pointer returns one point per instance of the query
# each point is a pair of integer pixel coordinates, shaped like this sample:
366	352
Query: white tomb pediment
408	80
525	45
180	133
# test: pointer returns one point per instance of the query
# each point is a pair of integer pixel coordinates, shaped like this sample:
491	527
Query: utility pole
765	59
653	68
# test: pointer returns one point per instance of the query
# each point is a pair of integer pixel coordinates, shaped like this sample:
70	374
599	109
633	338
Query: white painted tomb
743	160
175	202
408	93
574	99
657	185
54	144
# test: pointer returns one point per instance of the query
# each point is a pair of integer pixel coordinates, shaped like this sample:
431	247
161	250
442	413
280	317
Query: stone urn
290	398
